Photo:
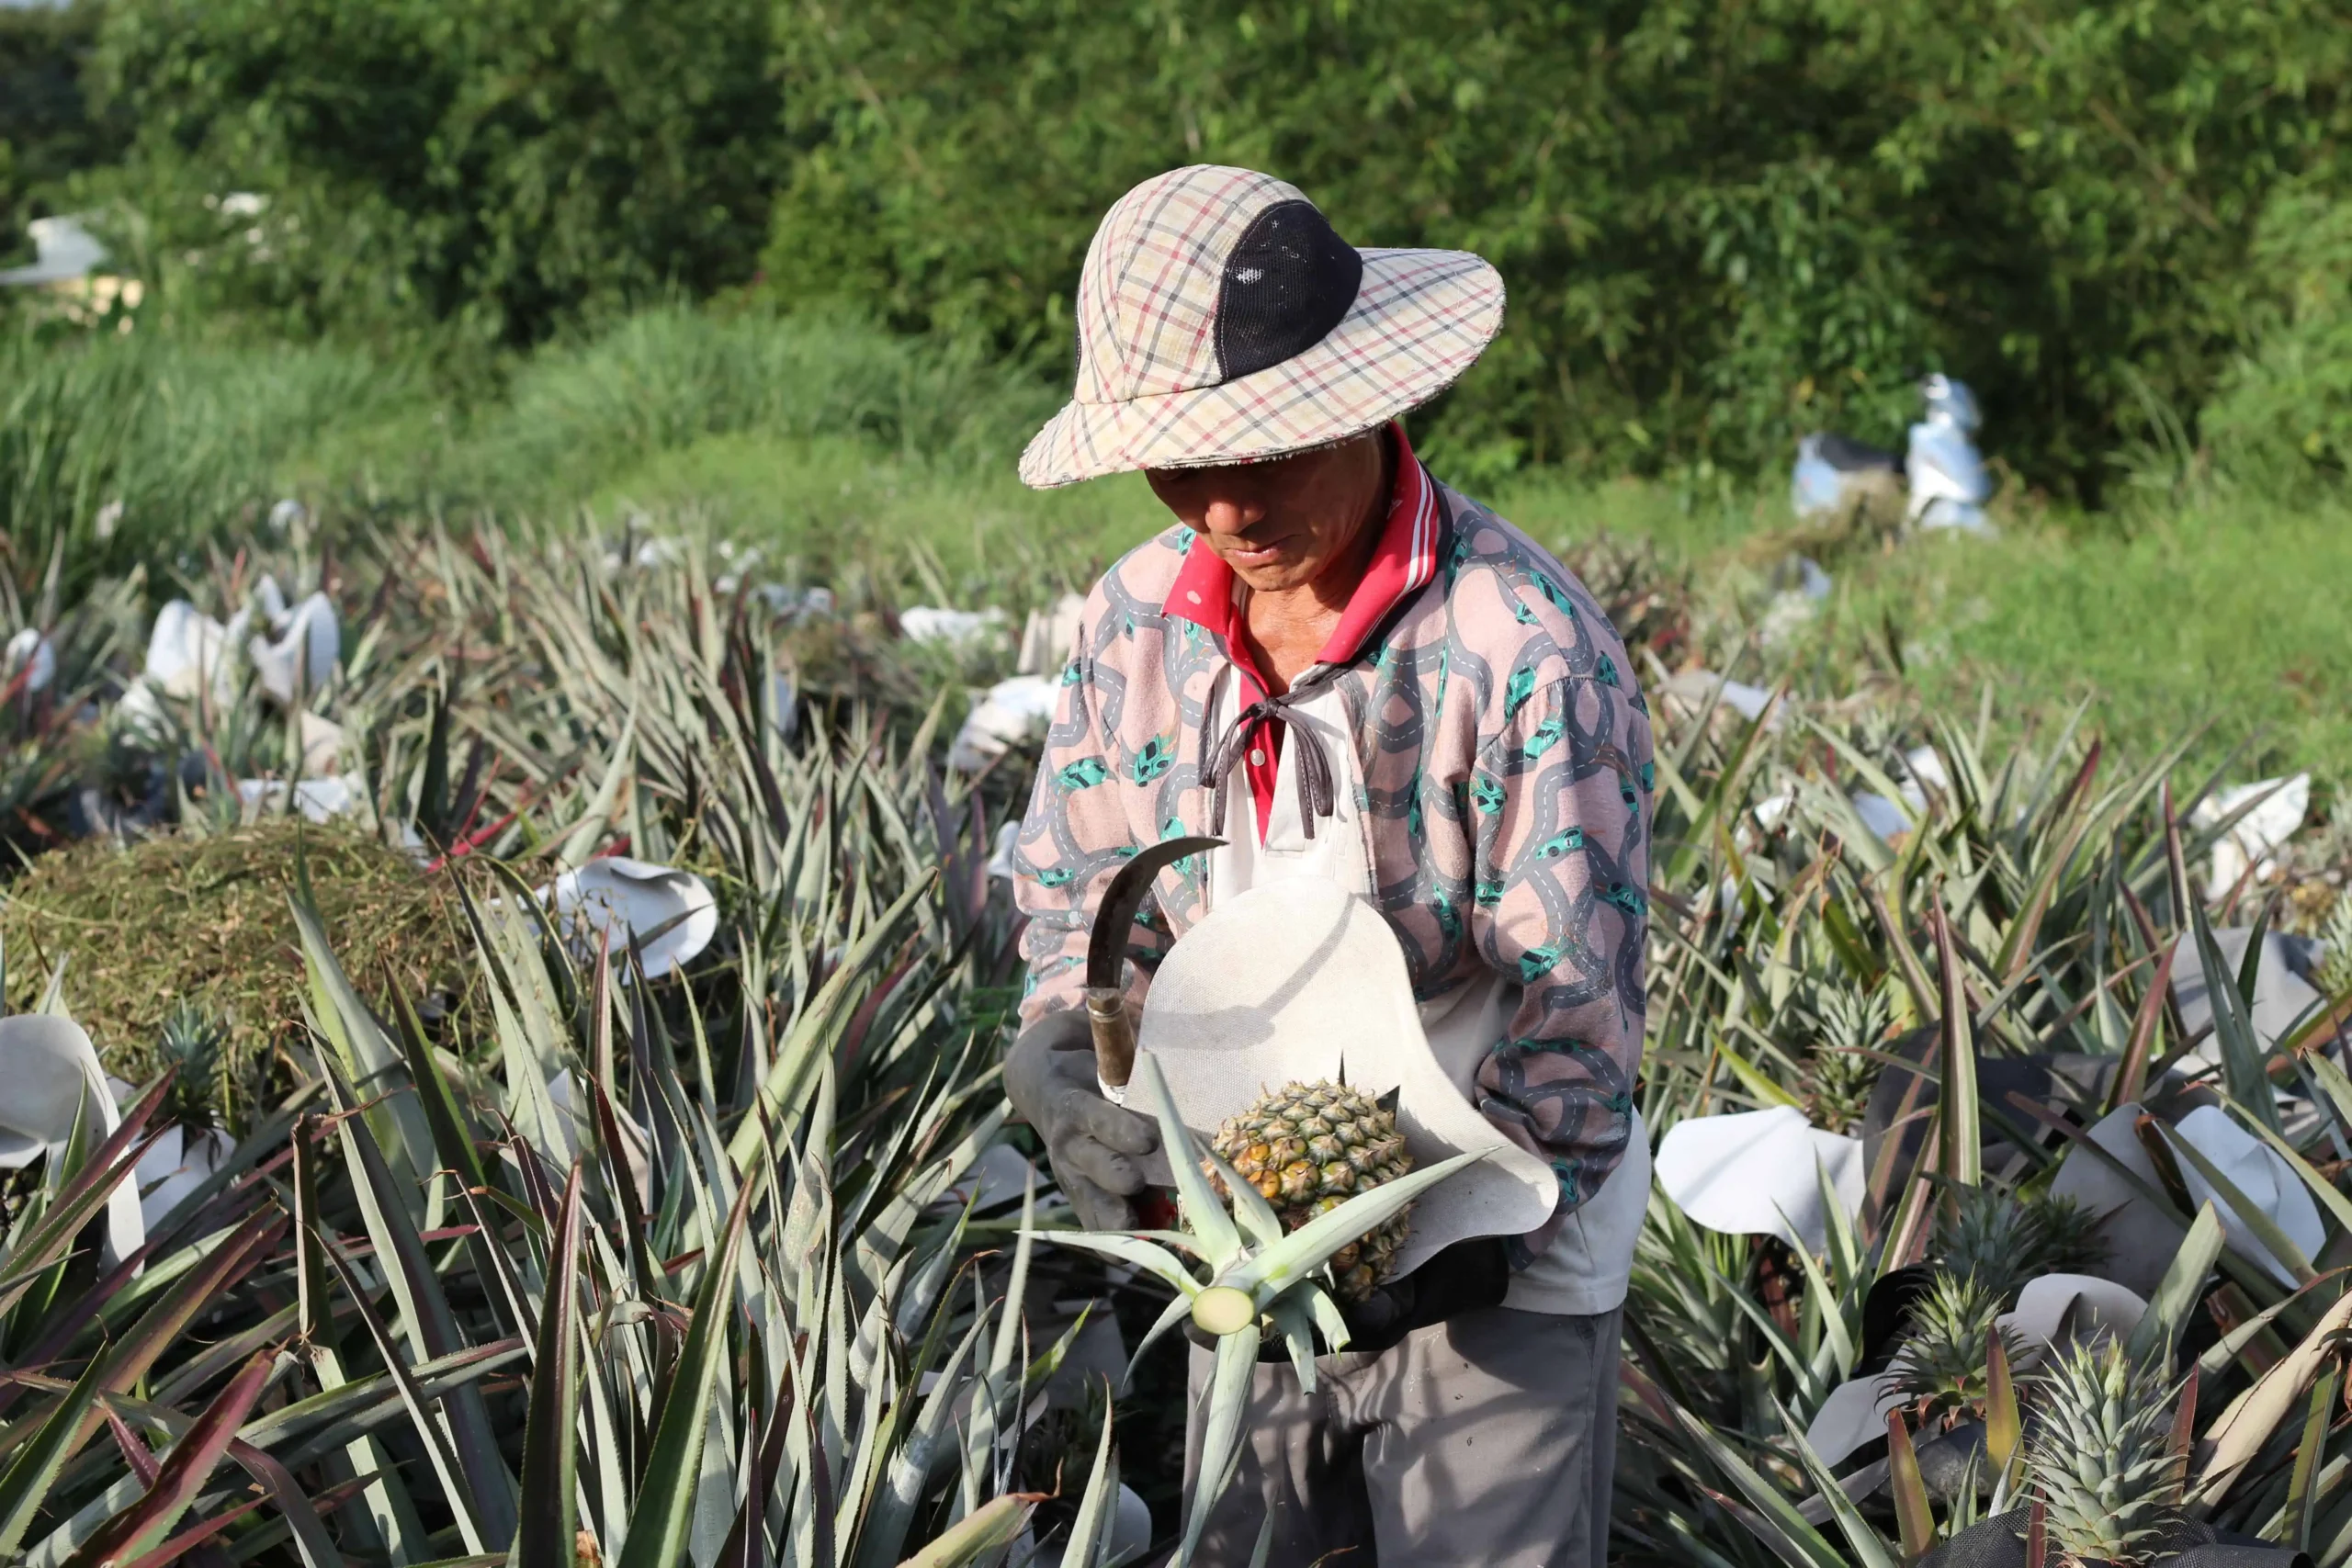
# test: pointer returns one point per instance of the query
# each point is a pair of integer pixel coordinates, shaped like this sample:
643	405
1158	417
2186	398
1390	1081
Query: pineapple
1309	1148
2335	973
193	1041
2101	1455
2005	1241
1321	1176
1838	1079
1942	1358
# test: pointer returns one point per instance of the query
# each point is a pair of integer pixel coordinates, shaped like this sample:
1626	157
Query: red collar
1206	593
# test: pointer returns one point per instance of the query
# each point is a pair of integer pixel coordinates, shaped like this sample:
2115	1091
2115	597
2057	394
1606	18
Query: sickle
1106	948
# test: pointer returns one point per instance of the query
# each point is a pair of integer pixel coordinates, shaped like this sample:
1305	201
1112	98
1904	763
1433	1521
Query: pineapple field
524	650
510	1021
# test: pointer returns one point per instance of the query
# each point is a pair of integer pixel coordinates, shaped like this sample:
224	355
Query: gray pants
1489	1439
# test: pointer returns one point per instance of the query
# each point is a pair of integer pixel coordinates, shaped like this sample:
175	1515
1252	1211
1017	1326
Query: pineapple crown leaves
2101	1455
2335	974
1853	1018
1841	1072
194	1039
1943	1354
2005	1240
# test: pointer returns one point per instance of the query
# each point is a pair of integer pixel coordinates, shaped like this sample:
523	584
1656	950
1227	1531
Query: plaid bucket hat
1221	320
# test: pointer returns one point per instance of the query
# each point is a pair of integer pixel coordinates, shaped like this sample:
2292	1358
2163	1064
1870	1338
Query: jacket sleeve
1072	841
1561	794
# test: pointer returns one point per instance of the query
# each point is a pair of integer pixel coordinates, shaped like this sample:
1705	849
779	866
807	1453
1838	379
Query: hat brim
1420	319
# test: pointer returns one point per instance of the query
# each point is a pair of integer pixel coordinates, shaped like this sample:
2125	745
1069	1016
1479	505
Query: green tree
47	130
1720	224
505	165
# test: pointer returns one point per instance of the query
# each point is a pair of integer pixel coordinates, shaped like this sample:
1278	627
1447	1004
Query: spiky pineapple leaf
1274	1268
657	1532
1220	1237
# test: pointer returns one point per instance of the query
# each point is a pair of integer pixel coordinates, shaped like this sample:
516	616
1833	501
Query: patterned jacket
1507	771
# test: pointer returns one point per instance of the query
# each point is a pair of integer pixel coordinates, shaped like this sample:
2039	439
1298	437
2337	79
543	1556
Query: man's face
1279	524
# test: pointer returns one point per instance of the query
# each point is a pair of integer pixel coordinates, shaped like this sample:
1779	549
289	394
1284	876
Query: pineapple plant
192	1042
1838	1078
1307	1149
2003	1240
2101	1456
1266	1280
1943	1355
2334	972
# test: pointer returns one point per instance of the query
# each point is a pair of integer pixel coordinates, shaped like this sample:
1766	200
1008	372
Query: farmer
1351	672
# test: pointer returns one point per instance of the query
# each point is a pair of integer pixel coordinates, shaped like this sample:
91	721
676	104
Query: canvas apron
1586	1269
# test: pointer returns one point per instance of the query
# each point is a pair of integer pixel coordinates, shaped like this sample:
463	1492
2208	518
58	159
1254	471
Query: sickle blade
1106	947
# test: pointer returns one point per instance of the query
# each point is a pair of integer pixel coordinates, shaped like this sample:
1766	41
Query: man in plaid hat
1352	674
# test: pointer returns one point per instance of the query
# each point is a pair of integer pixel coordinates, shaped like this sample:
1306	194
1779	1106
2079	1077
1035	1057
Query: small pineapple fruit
2101	1455
1942	1358
2335	974
2005	1240
1838	1079
1307	1149
193	1041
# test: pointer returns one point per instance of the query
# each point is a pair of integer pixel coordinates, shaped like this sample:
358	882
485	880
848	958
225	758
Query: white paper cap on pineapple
1298	980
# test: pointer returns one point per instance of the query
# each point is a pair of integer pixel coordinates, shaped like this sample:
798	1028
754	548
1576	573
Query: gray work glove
1092	1143
1468	1276
1465	1277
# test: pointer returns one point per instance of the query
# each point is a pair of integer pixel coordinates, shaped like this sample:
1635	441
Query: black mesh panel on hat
1287	283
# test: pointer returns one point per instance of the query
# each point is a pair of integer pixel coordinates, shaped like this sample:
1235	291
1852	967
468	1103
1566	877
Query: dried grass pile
202	919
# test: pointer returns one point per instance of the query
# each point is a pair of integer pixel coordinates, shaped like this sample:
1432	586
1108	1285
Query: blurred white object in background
33	656
1923	771
188	650
1013	713
54	1080
2262	1177
1008	840
1948	482
66	251
1760	1173
1835	472
1881	816
318	800
180	1160
964	631
307	641
1694	689
2257	837
1049	637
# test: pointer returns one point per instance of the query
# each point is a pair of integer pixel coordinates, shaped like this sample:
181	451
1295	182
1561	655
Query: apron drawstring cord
1315	796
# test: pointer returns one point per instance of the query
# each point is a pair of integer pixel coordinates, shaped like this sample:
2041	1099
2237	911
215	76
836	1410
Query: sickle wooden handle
1115	1036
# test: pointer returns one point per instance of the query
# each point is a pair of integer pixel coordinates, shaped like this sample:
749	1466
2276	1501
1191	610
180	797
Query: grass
2221	615
826	500
837	447
2225	612
130	450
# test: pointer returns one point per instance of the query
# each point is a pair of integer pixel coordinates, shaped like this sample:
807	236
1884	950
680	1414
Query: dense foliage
47	130
503	166
1720	224
2290	397
730	1259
